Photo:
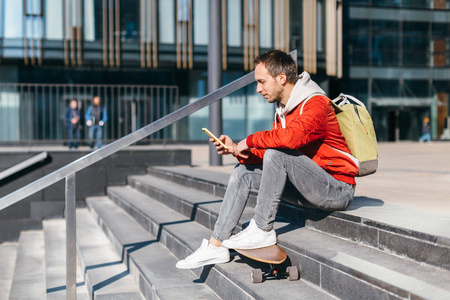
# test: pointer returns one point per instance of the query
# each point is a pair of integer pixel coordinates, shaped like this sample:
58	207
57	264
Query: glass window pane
34	27
356	41
97	20
296	31
201	22
417	88
265	24
54	20
234	23
385	43
74	13
13	18
416	44
130	20
89	20
166	21
33	7
9	116
183	10
320	26
261	115
1	18
385	88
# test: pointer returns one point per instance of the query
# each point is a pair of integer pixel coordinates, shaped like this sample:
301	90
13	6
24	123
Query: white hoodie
304	89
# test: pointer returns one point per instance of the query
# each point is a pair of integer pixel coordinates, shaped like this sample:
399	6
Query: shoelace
246	230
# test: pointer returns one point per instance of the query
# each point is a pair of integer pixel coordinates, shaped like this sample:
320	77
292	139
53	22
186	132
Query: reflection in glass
89	20
234	23
265	24
201	14
166	21
129	20
13	18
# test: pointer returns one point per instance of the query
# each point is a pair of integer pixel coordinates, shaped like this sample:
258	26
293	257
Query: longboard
274	256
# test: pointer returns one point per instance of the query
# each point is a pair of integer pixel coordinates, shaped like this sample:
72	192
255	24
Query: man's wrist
249	141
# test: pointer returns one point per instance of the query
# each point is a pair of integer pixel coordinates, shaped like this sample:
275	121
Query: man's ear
282	79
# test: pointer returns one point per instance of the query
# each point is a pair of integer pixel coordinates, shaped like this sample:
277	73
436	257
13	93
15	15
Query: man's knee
277	155
244	173
271	155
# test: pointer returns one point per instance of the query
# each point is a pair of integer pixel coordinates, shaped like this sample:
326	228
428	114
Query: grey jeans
286	173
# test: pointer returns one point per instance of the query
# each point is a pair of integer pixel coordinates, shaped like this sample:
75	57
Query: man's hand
227	141
89	123
234	149
241	148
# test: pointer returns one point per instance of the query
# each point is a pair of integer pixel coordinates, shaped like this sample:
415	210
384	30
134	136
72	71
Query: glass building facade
397	57
393	55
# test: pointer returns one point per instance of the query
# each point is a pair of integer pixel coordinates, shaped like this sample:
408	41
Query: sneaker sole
203	264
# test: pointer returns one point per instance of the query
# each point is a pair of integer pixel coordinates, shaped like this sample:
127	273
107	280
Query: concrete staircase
371	251
129	241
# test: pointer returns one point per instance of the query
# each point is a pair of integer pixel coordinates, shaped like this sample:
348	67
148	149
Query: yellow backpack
357	128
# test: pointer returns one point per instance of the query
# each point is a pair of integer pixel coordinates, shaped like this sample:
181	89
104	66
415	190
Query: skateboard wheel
292	272
257	276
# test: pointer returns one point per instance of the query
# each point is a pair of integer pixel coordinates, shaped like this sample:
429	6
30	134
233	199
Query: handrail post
71	238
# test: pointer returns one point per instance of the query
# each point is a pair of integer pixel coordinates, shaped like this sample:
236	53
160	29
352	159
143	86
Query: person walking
426	130
72	120
96	118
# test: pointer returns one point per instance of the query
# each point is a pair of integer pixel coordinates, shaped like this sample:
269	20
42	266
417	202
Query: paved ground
410	174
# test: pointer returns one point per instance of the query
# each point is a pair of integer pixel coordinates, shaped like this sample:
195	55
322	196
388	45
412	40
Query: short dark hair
277	62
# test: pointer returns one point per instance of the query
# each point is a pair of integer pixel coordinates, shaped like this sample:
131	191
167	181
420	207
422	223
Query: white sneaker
251	237
207	254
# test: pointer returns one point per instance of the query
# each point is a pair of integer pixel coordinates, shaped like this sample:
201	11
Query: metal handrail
23	165
68	172
128	140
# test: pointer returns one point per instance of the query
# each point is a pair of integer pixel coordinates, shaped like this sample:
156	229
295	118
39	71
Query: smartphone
214	137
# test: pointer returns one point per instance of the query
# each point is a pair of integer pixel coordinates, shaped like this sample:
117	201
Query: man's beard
277	95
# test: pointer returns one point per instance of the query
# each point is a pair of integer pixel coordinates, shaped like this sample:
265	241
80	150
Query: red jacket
314	133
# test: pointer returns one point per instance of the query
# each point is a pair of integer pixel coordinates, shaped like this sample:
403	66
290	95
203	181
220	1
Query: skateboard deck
274	256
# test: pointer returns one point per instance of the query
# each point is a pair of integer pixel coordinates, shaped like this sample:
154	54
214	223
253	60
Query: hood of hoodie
304	88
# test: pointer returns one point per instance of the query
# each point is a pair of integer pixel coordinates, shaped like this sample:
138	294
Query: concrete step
182	236
11	229
386	274
55	262
105	275
150	262
29	272
419	235
8	254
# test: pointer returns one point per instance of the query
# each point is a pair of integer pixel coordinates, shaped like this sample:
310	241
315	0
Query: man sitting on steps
298	157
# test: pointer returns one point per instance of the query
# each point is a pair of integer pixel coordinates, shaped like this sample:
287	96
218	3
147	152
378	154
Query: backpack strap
344	99
341	97
306	100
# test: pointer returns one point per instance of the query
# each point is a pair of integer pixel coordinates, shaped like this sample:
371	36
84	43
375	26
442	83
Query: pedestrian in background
95	120
426	130
72	118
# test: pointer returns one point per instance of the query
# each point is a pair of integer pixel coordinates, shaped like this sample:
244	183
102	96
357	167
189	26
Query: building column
215	76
